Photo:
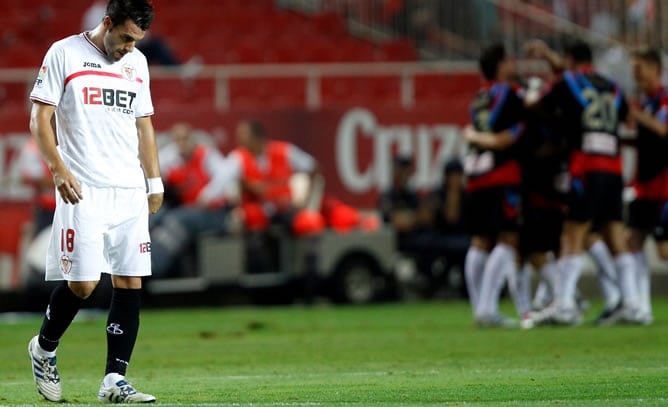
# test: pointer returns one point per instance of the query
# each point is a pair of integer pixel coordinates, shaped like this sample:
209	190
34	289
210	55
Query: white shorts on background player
106	232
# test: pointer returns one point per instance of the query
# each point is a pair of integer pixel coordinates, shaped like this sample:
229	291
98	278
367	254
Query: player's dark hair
649	55
139	11
490	59
256	129
579	51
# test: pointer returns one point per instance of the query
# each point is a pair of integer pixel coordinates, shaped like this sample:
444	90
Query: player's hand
537	49
68	187
155	202
470	134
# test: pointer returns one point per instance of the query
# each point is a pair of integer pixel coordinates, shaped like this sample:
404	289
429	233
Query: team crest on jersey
129	72
65	264
40	77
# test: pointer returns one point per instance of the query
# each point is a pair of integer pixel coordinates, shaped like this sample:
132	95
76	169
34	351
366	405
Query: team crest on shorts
65	264
129	72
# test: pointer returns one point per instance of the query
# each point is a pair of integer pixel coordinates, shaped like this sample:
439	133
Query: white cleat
496	321
555	315
123	392
45	373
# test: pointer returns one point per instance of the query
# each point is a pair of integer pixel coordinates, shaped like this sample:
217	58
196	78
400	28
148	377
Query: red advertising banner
354	146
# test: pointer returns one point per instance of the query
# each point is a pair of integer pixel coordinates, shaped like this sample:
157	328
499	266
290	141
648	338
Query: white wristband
155	186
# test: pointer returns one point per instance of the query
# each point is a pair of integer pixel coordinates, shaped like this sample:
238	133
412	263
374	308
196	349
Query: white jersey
97	102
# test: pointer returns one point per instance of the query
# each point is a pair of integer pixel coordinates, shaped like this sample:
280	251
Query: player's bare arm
489	141
539	49
41	127
649	121
148	156
314	192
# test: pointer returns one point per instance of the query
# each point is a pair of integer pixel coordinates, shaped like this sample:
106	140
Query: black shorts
650	215
494	210
595	197
541	229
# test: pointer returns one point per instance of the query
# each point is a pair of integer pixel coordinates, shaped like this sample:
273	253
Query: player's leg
129	251
500	267
644	215
546	265
474	264
502	263
581	206
570	262
615	235
519	286
74	255
626	269
540	239
606	273
481	243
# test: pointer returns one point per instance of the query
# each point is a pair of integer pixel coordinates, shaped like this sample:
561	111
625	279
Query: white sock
545	291
606	273
111	379
570	268
519	284
628	278
543	296
473	268
644	282
500	265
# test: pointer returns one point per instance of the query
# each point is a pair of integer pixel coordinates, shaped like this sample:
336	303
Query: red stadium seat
399	50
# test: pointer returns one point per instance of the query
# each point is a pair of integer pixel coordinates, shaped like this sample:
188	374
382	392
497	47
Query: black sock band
62	309
122	328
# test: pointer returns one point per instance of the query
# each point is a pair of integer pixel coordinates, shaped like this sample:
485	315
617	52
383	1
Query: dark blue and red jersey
652	150
542	157
496	108
587	108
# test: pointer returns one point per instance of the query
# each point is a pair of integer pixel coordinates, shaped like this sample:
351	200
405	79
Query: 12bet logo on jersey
116	100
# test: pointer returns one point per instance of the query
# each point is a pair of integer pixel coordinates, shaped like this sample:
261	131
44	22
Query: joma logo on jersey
92	65
145	247
110	97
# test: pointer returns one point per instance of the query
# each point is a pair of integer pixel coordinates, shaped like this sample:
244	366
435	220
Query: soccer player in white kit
91	117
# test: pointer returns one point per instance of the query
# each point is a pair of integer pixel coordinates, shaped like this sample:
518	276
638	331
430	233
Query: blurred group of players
544	173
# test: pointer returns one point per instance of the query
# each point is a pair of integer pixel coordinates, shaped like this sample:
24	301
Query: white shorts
106	232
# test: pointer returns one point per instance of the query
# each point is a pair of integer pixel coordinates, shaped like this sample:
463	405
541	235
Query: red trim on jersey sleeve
96	73
507	174
48	102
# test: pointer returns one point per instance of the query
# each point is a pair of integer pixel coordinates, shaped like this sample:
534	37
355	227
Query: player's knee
82	289
130	283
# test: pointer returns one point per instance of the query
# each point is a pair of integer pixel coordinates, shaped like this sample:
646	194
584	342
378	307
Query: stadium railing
214	80
450	27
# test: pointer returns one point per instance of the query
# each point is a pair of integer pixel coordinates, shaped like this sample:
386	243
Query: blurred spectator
402	207
93	15
35	173
265	168
196	179
450	200
414	19
155	49
450	239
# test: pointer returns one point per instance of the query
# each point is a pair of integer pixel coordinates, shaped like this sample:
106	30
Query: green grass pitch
384	355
